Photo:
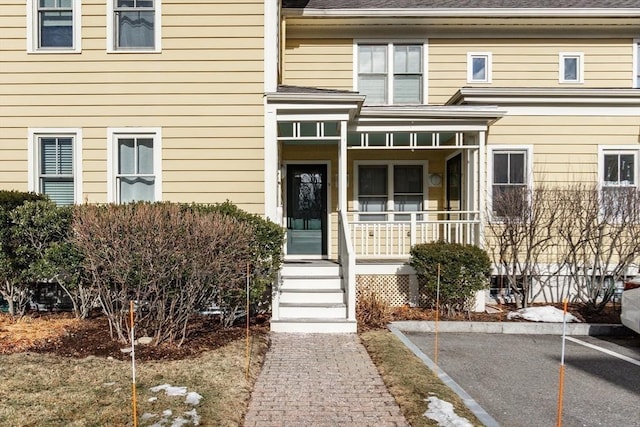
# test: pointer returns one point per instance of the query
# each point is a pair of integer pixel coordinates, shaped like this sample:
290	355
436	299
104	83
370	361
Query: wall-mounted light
435	180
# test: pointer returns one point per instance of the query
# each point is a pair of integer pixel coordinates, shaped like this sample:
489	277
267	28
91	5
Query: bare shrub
372	311
170	261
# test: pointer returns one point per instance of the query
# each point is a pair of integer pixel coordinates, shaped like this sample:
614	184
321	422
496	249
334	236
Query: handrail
348	263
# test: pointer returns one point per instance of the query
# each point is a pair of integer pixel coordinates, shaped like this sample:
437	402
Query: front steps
311	299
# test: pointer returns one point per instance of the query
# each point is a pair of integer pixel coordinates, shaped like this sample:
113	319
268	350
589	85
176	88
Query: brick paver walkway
315	380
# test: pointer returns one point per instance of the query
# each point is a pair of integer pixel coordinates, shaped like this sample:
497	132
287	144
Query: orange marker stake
437	314
134	402
247	353
561	385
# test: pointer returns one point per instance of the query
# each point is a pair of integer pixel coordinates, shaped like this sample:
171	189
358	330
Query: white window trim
561	57
111	48
617	149
425	69
489	59
112	135
528	150
635	82
390	190
32	29
33	161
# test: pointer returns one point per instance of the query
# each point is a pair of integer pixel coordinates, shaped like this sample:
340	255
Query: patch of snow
193	398
152	399
147	416
542	314
195	418
170	390
443	413
167	413
109	384
179	422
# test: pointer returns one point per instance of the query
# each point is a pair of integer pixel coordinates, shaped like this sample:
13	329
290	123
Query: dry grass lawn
409	380
48	390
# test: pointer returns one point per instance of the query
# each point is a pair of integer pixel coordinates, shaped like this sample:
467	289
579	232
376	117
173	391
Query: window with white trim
136	159
53	26
389	189
134	25
619	176
55	164
479	67
509	181
391	73
571	67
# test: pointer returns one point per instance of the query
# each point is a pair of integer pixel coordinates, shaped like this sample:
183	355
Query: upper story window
135	165
479	67
53	26
510	176
391	73
55	164
571	67
134	25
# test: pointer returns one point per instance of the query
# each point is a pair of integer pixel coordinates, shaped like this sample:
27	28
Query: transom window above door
391	73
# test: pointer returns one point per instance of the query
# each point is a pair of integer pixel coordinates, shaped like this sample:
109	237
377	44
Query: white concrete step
311	282
310	269
332	296
304	325
311	310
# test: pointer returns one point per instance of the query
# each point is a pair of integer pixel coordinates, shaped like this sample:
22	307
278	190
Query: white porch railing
348	264
393	236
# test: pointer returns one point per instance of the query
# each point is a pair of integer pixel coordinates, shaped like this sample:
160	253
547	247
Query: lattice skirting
392	288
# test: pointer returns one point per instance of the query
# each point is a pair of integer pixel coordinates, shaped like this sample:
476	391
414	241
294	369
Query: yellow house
363	127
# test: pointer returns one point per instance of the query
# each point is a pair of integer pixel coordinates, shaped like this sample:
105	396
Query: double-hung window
54	164
571	67
509	182
134	25
391	73
479	67
385	189
53	25
135	164
619	173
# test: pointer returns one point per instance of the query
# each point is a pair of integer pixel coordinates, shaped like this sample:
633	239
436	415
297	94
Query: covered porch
361	185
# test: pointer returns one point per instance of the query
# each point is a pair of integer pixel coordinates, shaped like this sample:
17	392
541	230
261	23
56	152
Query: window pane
414	59
516	166
479	68
407	179
58	190
374	87
408	89
65	156
56	29
48	156
379	59
571	68
400	59
611	167
627	168
372	180
136	189
509	200
135	29
500	168
126	158
145	156
373	204
66	3
408	203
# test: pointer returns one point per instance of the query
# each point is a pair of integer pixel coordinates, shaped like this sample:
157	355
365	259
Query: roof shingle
461	4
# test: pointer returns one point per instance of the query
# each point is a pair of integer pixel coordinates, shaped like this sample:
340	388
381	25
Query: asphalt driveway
515	377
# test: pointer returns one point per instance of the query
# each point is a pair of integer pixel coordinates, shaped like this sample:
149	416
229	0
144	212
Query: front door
306	210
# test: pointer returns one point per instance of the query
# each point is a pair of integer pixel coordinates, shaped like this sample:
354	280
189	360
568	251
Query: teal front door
306	210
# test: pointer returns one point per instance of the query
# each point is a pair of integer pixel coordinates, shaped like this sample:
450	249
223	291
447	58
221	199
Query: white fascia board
467	12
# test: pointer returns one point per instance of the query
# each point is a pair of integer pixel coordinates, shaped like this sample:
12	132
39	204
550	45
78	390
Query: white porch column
342	169
482	183
271	165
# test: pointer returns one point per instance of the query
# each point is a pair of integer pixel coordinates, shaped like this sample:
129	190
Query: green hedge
463	270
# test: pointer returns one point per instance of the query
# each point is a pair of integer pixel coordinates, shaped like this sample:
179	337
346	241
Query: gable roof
461	4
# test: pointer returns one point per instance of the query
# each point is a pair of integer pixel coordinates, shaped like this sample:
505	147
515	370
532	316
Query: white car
630	305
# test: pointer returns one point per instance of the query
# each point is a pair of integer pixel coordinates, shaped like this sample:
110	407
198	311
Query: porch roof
479	96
